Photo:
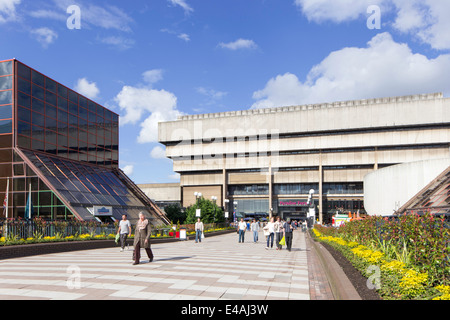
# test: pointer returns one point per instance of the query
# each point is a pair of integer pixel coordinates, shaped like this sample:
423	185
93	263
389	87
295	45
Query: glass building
62	148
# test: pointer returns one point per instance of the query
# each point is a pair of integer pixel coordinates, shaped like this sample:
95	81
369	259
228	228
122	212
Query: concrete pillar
270	178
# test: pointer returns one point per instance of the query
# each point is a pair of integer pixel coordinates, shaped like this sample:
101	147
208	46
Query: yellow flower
412	283
2	239
444	289
29	239
394	266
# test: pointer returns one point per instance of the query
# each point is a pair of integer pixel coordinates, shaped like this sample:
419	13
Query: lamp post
226	201
311	211
214	199
234	211
197	195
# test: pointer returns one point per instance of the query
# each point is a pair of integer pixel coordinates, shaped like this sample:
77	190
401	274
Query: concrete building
162	194
265	161
388	189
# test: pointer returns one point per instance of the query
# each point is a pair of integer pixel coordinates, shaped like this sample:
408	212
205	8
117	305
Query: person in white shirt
278	226
198	230
270	227
124	231
242	227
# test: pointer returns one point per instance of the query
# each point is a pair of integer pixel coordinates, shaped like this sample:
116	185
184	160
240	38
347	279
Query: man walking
124	231
198	230
287	232
242	227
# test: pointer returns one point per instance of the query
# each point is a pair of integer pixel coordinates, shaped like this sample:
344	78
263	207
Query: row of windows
312	151
254	189
62	110
32	81
33	122
296	188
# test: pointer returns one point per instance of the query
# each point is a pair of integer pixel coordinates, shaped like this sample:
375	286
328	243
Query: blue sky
153	60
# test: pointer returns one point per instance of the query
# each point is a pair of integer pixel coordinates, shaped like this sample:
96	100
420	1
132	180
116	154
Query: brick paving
219	268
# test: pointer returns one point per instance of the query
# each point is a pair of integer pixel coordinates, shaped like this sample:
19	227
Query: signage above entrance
292	203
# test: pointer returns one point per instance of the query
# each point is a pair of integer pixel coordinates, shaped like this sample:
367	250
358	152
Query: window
23	99
6	112
5	68
38	78
38	92
5	126
5	97
50	85
6	83
23	71
37	105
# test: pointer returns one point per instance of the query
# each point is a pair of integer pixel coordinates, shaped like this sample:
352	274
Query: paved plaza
217	268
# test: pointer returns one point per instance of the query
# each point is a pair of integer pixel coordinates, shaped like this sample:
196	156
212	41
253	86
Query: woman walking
270	227
142	239
278	233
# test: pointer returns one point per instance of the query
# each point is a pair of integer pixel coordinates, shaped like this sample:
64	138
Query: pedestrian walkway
217	268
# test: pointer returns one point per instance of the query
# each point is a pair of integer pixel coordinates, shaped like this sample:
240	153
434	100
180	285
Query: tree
207	208
175	213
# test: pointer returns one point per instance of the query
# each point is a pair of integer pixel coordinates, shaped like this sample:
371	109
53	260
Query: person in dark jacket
287	232
142	239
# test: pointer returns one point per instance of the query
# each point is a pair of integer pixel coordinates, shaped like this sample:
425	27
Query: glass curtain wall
56	120
6	123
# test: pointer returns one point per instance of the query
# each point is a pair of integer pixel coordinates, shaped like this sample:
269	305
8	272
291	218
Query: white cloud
184	36
144	101
182	3
121	43
384	68
86	88
158	153
427	20
211	93
335	10
239	44
153	76
128	169
8	10
106	17
44	36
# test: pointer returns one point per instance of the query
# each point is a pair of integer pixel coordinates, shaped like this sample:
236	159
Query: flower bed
393	279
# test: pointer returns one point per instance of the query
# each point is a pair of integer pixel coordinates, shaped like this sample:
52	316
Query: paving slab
217	268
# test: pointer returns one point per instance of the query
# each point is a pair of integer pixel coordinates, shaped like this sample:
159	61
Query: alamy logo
74	279
74	21
374	21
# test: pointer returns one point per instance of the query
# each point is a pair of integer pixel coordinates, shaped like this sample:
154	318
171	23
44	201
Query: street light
214	199
226	201
197	195
311	211
234	212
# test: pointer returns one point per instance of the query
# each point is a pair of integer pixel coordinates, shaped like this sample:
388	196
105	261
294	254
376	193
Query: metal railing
24	229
